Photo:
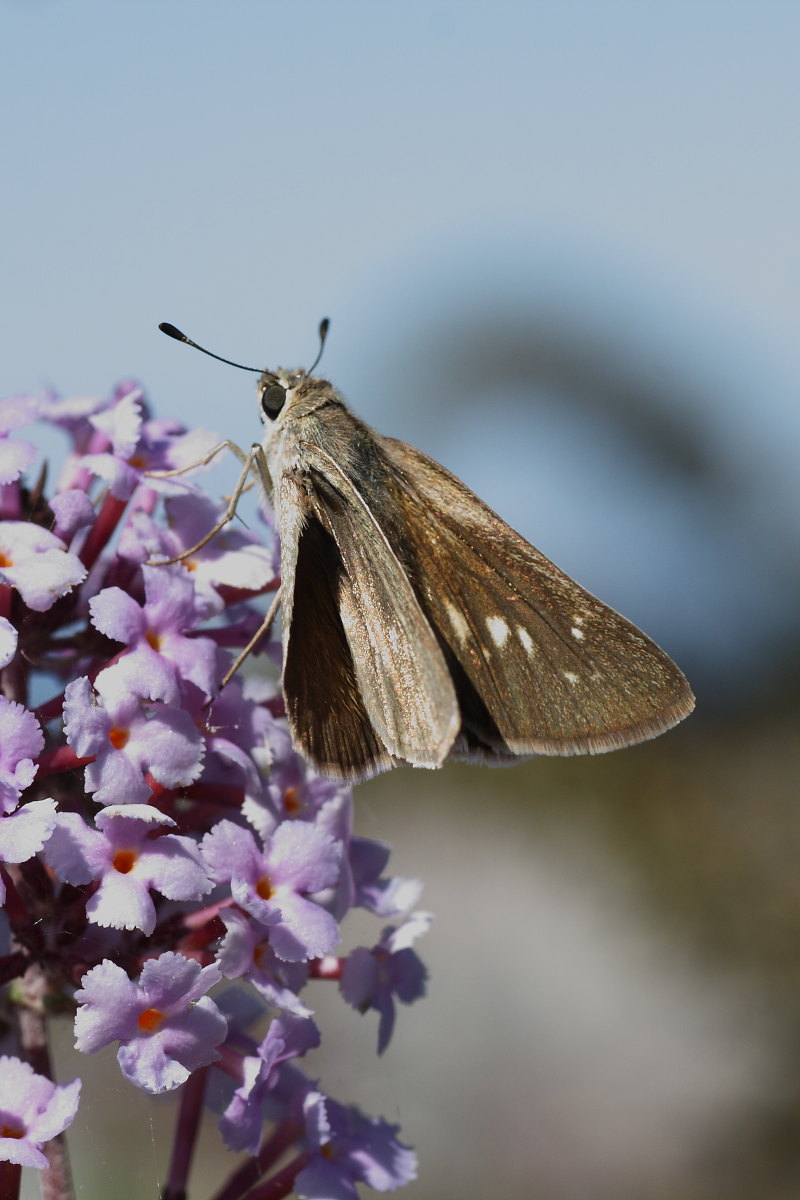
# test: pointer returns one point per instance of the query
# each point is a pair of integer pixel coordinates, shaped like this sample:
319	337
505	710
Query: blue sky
624	170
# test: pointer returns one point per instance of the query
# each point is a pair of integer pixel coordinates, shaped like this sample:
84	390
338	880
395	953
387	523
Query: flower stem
189	1115
250	1172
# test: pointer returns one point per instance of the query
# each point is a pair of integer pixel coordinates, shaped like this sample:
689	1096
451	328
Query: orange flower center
5	561
291	800
124	861
11	1131
264	887
118	736
150	1020
153	640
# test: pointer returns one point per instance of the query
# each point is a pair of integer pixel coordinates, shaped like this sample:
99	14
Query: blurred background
559	246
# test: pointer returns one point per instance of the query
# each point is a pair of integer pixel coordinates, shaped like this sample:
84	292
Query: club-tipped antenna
171	331
324	326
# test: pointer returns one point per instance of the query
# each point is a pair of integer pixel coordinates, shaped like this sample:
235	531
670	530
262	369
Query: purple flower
348	1148
236	731
273	884
166	1026
34	561
372	978
136	445
242	1122
21	741
232	560
17	455
159	652
195	792
33	1110
295	792
128	741
245	953
128	862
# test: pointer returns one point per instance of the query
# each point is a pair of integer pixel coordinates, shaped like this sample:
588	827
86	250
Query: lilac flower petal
172	979
8	642
120	476
170	597
305	931
73	511
229	849
117	615
108	1008
122	902
58	1114
303	856
21	741
20	734
142	673
122	424
170	745
174	867
15	457
24	832
359	978
128	817
114	779
16	411
194	658
75	852
86	725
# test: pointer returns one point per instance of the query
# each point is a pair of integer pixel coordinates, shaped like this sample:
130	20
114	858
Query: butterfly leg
201	462
255	639
254	460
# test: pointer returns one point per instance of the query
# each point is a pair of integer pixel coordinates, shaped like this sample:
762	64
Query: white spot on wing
498	631
570	677
458	622
526	639
577	633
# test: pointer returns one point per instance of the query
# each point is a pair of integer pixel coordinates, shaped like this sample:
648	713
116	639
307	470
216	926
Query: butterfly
418	627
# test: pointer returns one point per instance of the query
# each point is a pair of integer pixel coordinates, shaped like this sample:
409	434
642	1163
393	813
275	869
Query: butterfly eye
273	399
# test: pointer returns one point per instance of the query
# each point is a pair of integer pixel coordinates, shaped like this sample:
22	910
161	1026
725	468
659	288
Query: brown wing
540	665
364	675
330	725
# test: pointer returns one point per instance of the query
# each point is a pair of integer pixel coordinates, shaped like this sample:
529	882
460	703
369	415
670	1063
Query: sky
462	187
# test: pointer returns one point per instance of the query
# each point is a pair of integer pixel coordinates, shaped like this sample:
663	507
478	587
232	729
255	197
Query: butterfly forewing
329	722
394	672
556	671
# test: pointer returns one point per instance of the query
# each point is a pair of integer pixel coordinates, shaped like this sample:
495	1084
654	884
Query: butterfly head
280	390
275	391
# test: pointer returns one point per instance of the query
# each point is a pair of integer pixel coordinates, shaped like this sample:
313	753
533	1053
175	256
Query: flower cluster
158	836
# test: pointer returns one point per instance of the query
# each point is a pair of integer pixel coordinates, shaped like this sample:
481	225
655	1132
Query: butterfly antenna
172	332
324	326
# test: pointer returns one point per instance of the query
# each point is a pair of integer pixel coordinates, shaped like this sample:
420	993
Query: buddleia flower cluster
171	872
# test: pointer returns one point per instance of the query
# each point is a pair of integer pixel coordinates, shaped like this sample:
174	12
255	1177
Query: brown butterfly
417	626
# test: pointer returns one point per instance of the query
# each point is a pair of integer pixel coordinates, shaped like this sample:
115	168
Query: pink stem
271	1150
